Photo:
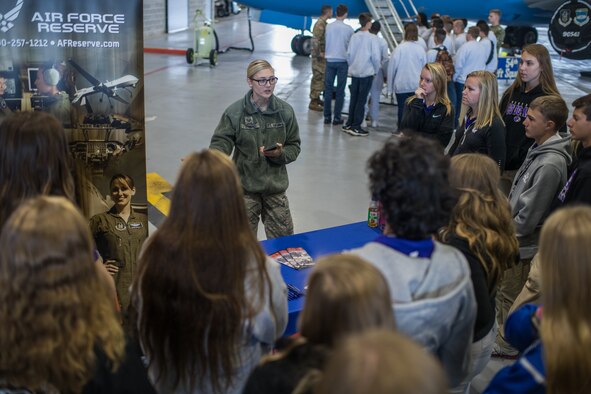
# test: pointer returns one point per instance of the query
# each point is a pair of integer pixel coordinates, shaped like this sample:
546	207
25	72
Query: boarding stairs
385	12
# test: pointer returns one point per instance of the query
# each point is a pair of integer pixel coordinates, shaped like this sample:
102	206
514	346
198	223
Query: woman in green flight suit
119	234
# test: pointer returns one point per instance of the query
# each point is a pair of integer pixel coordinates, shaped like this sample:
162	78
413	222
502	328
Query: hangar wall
155	15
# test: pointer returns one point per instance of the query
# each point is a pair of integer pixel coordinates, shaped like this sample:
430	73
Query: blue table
317	243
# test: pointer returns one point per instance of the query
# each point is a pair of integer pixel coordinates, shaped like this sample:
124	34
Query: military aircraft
99	136
108	88
568	21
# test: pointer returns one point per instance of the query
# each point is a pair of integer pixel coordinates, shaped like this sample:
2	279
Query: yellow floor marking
156	187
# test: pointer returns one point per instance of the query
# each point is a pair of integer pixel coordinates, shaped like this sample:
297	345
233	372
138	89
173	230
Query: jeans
375	93
359	91
459	89
480	353
453	98
400	100
338	70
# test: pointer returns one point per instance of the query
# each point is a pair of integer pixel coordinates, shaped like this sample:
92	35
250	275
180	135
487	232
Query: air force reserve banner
82	61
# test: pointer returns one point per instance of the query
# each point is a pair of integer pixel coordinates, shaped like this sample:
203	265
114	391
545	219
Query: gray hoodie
540	177
433	301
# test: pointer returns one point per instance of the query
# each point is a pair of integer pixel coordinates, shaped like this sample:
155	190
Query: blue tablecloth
317	243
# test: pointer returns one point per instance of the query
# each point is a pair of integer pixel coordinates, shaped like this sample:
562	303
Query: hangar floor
328	185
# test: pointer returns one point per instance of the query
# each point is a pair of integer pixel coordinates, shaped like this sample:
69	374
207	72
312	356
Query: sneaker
359	132
327	121
504	353
346	128
374	123
337	122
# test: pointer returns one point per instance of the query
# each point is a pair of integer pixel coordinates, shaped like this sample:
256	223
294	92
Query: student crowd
490	219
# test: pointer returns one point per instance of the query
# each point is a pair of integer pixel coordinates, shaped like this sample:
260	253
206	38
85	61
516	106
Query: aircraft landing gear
520	36
301	45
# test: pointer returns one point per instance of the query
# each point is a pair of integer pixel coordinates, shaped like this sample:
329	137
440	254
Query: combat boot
316	105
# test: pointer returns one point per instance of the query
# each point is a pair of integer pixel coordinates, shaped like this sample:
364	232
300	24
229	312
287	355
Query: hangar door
177	15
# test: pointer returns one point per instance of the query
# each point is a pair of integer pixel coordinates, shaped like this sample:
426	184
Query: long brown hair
345	295
565	262
54	308
547	81
411	32
190	288
34	160
482	214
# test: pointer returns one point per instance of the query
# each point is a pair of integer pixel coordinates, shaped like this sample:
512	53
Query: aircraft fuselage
515	12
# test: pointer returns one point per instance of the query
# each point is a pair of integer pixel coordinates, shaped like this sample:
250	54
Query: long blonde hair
439	78
55	311
565	262
488	104
482	215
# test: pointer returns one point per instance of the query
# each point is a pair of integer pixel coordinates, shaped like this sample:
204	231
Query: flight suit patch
135	225
120	226
275	125
250	123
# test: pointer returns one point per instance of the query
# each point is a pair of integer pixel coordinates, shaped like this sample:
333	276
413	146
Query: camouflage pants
506	182
509	288
274	212
530	294
317	84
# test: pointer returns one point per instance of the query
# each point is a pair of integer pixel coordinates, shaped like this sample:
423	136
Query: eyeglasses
263	82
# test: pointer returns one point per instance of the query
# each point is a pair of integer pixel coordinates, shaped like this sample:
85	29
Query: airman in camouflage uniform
494	17
252	124
318	60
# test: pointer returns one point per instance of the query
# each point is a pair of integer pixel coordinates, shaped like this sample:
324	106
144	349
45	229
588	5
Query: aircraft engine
570	30
100	138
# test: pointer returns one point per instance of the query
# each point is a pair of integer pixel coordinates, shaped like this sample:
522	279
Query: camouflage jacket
243	129
318	39
499	32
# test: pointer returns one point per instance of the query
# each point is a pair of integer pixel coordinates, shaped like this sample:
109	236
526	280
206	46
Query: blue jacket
527	375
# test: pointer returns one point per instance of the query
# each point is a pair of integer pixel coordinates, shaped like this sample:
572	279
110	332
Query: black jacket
281	376
434	123
578	187
514	110
130	378
489	141
485	299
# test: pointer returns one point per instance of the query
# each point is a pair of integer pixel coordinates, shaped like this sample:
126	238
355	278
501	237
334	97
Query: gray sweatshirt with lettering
541	176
